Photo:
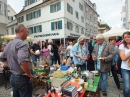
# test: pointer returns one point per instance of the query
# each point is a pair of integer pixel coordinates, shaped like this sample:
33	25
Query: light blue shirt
100	47
76	49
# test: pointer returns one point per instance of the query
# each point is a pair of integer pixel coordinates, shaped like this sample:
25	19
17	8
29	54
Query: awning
11	37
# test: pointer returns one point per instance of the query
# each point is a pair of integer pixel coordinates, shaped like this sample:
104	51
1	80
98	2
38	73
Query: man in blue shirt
80	53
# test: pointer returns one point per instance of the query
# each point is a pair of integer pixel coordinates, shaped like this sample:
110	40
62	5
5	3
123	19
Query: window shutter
60	24
59	6
39	12
72	10
34	29
30	1
79	5
67	25
33	1
52	25
27	17
18	20
34	14
51	8
25	2
67	7
40	27
31	15
22	18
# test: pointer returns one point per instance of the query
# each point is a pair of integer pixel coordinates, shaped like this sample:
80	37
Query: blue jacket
115	59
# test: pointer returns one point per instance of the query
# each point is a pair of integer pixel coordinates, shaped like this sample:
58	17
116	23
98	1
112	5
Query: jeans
34	58
114	74
51	60
82	67
126	81
103	81
21	86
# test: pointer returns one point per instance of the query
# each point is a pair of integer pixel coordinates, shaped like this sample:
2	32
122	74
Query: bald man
16	56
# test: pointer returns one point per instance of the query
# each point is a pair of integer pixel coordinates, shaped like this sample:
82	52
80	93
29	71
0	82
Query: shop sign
74	35
46	35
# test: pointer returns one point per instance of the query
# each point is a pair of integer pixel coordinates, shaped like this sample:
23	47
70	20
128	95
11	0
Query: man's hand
102	58
94	58
26	68
30	76
81	58
116	67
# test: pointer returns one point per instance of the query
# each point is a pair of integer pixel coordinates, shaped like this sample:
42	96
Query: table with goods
65	81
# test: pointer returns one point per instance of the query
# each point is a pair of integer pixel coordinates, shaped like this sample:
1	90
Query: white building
11	13
61	20
3	16
127	3
123	16
12	21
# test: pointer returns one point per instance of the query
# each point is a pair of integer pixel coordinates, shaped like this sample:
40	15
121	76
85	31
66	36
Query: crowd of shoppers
102	56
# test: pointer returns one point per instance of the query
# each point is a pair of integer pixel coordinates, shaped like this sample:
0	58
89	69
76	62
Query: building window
1	7
56	25
69	9
33	15
38	29
20	19
69	25
5	9
77	28
7	32
82	30
10	18
55	7
12	30
73	0
124	19
82	18
124	25
90	17
94	19
28	2
77	15
8	10
30	30
80	6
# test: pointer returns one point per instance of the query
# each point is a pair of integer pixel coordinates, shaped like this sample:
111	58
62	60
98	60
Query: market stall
115	31
67	81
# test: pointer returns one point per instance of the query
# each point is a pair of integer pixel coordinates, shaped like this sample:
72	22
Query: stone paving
112	91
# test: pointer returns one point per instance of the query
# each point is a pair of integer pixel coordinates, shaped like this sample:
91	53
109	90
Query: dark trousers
21	85
57	58
114	74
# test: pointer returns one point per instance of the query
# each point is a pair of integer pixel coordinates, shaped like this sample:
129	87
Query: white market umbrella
115	31
11	37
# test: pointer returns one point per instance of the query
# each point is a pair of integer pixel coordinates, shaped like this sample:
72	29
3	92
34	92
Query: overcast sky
109	10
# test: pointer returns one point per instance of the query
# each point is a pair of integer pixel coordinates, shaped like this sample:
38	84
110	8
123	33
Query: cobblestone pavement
112	91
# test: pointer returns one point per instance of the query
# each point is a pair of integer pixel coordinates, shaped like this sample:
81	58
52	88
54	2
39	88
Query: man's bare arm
26	68
5	63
